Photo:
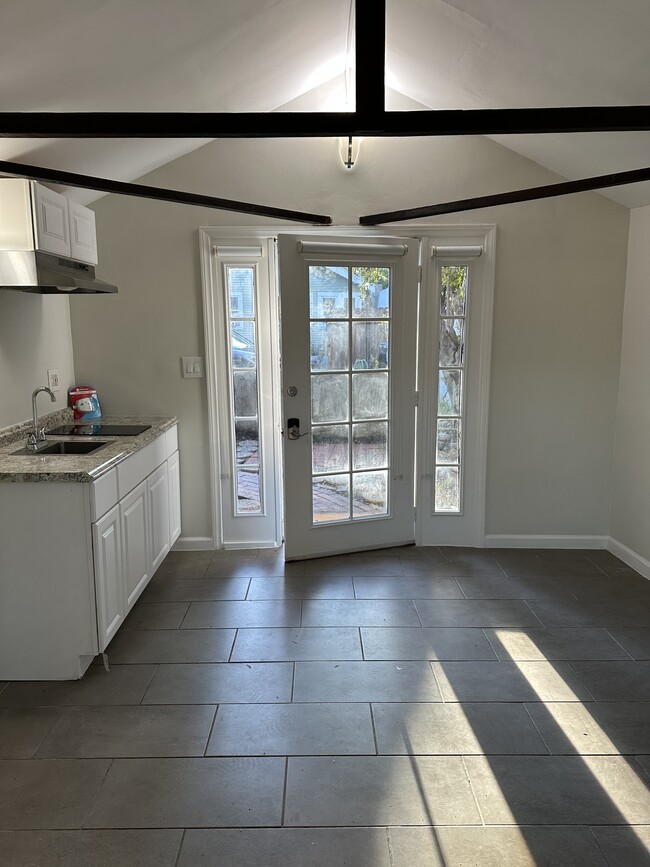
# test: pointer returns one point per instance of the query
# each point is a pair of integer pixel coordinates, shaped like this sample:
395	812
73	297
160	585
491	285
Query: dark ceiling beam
370	118
447	122
370	53
565	188
142	191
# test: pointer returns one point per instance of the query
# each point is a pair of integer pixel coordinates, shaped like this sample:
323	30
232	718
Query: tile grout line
363	652
284	791
389	843
96	795
437	683
525	706
579	679
471	788
232	646
600	568
613	637
526	603
463	594
149	682
180	847
487	638
374	730
214	720
49	731
187	611
600	848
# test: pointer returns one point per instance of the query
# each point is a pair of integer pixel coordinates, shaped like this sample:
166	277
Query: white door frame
484	234
305	537
219	427
468	527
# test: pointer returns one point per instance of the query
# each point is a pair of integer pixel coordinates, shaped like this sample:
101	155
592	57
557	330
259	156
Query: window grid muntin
248	317
458	465
350	473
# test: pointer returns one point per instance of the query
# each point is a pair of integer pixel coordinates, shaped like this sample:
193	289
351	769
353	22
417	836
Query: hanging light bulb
349	150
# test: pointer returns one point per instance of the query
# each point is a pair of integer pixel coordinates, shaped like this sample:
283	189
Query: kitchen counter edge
81	468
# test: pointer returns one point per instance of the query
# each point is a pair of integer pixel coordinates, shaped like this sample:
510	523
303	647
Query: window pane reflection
369	396
369	494
331	498
369	445
330	448
329	289
329	346
329	398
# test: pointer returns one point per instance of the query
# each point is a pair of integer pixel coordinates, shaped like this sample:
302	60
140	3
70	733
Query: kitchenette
89	503
86	521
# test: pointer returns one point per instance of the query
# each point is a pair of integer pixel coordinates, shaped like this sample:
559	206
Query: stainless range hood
48	274
48	243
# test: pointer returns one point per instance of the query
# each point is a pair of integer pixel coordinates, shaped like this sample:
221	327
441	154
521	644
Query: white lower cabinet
173	471
137	532
158	499
109	583
75	557
136	559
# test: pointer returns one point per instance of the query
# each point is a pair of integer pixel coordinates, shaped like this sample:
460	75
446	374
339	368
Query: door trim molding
211	240
470	533
206	241
211	235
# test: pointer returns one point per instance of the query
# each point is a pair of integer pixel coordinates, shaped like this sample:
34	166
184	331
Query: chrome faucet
36	440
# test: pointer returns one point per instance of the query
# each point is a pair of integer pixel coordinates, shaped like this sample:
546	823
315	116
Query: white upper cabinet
51	221
83	237
33	217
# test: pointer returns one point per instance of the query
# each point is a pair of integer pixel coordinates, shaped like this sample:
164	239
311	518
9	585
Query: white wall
34	337
631	475
558	307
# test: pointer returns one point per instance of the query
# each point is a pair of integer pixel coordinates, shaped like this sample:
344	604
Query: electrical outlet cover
53	380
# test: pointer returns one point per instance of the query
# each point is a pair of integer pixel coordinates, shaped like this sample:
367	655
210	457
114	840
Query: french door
349	374
348	311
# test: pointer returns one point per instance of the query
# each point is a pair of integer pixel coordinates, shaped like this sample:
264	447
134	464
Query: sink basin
65	448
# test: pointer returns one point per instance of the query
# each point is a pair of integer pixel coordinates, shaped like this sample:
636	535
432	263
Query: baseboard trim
193	543
627	555
587	542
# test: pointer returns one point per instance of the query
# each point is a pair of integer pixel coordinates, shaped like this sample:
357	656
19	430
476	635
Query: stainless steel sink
64	448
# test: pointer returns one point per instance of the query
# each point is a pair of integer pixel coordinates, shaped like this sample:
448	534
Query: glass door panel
363	294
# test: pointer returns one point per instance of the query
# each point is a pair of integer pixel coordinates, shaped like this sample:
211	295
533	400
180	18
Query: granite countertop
73	468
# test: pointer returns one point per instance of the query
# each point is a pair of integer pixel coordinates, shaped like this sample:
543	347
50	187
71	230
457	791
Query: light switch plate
53	379
192	367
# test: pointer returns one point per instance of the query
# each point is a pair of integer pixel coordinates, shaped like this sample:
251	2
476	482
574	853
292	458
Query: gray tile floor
438	707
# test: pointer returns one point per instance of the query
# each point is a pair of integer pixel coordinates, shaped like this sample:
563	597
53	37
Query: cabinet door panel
136	559
158	501
83	236
173	469
109	584
51	217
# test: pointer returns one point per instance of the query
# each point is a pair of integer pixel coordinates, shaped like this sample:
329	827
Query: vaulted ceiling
269	55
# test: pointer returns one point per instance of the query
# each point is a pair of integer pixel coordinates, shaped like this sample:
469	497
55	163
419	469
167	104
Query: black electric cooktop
98	430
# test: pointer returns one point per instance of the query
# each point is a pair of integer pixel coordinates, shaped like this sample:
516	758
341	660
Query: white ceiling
263	55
